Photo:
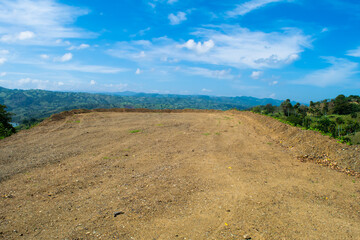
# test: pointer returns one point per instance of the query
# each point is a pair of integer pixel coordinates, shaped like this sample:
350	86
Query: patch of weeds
269	143
354	181
206	134
239	122
160	125
76	121
135	131
217	133
106	158
227	118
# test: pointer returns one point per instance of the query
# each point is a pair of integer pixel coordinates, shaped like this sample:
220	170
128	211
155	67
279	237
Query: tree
269	108
286	107
6	129
341	105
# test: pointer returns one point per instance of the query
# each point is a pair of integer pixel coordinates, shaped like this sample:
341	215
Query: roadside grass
206	134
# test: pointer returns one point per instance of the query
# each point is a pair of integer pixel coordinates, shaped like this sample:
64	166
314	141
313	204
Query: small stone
247	236
118	213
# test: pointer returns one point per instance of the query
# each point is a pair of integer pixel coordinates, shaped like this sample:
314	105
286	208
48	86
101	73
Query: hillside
26	104
126	174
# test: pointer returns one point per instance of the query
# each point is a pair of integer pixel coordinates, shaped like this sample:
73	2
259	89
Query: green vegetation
135	131
38	104
339	117
6	129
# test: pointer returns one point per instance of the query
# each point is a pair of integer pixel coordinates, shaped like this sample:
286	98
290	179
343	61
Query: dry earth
184	175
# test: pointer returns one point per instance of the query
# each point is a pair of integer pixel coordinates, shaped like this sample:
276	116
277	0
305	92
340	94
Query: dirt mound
180	174
62	115
310	145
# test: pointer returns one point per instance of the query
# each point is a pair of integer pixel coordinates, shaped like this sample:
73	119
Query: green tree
286	106
6	129
341	105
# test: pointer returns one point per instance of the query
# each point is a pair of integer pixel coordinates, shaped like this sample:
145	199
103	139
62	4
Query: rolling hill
37	104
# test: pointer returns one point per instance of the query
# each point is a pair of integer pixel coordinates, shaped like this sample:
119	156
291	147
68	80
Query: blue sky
298	49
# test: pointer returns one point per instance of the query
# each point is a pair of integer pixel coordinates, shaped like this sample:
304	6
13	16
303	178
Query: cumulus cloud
178	18
231	46
18	37
249	6
256	74
92	82
2	60
354	53
198	47
206	90
138	71
340	72
29	83
44	56
66	57
3	74
81	46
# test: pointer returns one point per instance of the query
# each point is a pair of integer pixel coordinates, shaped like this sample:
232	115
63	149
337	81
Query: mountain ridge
35	103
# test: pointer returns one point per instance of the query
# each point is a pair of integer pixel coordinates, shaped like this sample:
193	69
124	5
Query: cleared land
191	175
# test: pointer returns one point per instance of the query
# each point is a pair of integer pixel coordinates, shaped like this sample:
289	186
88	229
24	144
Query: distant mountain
26	104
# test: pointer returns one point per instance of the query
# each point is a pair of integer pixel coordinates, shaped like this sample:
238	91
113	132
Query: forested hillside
35	104
338	117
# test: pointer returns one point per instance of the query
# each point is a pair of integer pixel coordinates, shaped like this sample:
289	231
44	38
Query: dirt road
172	176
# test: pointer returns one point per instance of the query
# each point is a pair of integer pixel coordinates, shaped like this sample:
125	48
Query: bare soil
176	175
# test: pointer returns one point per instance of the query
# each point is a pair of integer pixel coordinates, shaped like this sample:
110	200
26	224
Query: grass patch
206	134
217	133
135	131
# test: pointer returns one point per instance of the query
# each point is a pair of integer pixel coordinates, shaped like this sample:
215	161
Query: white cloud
20	36
3	74
340	72
81	46
178	18
220	74
138	71
4	52
206	90
2	60
273	83
45	19
92	82
66	57
273	95
354	53
28	83
44	56
324	30
61	83
86	68
256	74
198	47
26	35
223	45
249	6
171	1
